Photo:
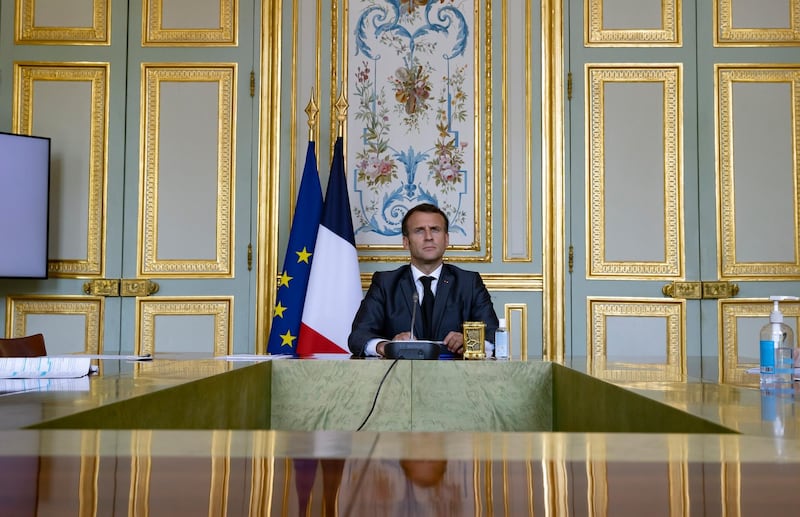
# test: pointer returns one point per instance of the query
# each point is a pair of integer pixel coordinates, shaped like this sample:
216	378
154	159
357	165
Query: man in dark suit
458	295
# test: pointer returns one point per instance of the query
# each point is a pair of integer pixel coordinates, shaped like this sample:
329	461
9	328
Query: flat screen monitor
24	205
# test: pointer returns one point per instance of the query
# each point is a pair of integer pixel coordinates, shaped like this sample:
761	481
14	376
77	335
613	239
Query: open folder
45	367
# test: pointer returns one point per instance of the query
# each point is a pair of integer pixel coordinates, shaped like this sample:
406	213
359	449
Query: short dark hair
429	209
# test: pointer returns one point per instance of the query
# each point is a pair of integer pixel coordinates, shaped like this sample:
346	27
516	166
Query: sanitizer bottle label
767	358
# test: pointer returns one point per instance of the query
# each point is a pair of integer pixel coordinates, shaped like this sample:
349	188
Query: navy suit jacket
386	309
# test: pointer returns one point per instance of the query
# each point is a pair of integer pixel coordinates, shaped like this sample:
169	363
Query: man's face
427	239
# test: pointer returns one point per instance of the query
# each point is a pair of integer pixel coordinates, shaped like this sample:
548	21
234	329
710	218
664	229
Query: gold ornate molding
507	183
269	124
517	312
673	311
220	308
670	77
26	75
669	35
226	34
726	35
149	263
28	33
725	76
553	180
18	308
493	281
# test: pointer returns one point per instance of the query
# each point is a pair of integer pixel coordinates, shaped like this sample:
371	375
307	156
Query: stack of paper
10	386
45	367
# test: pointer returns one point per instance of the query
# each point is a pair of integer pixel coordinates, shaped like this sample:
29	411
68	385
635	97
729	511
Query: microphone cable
378	392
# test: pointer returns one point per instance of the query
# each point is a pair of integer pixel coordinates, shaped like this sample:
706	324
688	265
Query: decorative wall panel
188	324
70	324
635	350
63	22
752	23
187	155
200	23
68	102
758	122
652	23
635	171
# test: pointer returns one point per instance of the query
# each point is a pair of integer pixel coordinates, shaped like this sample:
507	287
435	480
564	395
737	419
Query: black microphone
414	303
412	349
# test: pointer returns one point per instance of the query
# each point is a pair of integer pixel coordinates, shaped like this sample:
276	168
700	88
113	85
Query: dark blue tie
427	307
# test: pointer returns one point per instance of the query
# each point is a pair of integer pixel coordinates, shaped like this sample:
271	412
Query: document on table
11	386
143	357
45	367
252	357
757	370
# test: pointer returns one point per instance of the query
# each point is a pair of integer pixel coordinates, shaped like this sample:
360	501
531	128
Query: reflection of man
424	473
458	295
406	488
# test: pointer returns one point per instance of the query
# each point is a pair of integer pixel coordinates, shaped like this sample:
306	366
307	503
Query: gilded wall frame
673	264
725	35
510	199
154	34
224	75
28	33
147	309
598	309
725	76
25	77
18	308
668	35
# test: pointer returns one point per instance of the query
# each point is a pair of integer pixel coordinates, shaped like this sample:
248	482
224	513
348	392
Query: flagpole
312	111
341	112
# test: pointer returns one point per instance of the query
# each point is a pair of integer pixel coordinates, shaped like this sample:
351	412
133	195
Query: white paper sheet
45	367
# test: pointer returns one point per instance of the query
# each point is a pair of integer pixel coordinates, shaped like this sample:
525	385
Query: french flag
334	287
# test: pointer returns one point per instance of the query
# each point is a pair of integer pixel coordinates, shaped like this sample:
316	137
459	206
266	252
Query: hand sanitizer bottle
501	341
776	350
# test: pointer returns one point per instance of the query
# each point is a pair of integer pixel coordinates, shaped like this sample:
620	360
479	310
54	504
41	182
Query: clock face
472	342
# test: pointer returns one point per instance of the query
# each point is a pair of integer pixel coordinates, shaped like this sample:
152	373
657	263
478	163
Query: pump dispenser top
776	316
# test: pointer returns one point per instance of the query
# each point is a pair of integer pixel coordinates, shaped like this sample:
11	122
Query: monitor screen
24	205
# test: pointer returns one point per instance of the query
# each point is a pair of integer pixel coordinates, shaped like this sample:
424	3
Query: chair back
27	346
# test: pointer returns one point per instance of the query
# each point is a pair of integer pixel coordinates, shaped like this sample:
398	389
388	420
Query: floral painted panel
411	120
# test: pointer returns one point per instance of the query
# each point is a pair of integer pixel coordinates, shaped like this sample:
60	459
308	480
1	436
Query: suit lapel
443	287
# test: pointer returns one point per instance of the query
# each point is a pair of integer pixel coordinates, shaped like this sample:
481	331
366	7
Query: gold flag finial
341	110
312	111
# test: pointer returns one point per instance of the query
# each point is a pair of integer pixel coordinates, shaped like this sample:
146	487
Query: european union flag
293	281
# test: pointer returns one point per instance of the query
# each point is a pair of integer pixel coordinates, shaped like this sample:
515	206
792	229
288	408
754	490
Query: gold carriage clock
474	340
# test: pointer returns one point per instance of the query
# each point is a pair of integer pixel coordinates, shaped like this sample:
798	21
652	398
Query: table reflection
249	473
